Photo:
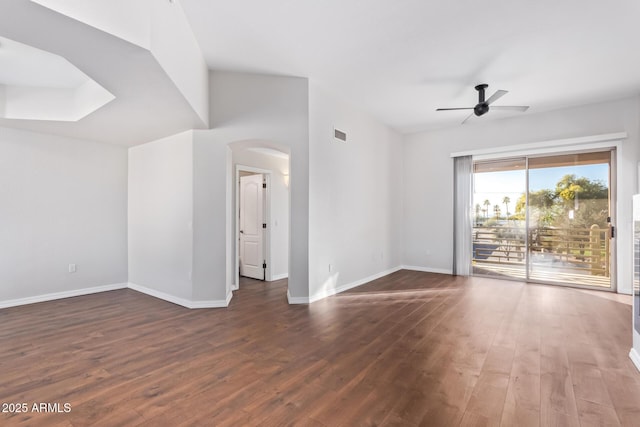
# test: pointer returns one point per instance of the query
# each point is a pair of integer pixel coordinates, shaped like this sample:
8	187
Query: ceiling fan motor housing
481	109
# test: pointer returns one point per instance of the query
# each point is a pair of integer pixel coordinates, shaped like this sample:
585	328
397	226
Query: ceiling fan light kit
482	107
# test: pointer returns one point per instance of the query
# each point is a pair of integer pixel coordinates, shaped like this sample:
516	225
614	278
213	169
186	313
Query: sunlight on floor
398	293
624	299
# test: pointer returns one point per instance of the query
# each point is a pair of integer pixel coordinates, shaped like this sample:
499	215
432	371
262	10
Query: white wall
62	201
3	100
127	19
635	350
246	108
212	164
161	215
177	51
356	196
428	173
355	206
279	206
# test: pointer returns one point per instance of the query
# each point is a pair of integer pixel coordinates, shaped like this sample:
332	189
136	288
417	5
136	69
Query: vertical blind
462	206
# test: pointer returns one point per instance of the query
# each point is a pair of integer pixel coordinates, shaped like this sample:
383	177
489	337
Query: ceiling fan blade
511	107
452	109
499	94
468	117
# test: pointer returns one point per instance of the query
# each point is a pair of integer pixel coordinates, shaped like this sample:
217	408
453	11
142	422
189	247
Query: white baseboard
94	290
161	295
279	277
329	292
224	303
182	301
61	295
212	303
635	358
229	296
296	300
427	269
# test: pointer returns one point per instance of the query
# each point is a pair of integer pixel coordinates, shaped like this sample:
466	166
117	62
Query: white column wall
248	109
355	196
161	216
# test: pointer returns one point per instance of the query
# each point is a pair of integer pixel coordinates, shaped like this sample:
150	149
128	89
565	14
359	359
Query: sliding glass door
569	219
499	223
545	219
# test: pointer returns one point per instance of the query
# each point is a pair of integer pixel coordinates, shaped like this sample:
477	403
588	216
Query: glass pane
499	219
569	238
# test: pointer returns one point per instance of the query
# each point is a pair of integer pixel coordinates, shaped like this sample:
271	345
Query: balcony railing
580	250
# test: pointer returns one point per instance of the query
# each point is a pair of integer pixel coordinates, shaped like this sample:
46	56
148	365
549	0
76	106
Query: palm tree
506	200
496	211
478	209
486	204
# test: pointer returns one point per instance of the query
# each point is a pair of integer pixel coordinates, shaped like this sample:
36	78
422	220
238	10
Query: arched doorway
261	245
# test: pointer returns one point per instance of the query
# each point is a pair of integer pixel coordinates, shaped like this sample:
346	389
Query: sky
496	185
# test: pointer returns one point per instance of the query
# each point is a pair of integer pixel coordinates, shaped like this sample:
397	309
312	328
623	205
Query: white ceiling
22	65
400	60
39	85
397	60
147	104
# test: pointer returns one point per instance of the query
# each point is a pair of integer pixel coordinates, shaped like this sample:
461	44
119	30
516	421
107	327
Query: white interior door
251	231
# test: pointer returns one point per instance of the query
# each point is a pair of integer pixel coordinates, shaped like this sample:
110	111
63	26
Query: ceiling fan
482	107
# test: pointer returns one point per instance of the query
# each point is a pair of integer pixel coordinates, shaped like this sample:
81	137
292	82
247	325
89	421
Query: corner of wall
635	358
175	48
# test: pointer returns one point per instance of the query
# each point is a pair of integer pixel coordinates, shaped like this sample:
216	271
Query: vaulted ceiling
41	47
400	60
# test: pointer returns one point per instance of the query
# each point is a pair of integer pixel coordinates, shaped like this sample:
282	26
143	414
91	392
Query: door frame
613	211
266	250
252	219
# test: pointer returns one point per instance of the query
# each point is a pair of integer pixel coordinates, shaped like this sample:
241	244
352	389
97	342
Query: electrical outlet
72	268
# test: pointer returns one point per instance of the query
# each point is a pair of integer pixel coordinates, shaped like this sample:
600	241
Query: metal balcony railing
580	250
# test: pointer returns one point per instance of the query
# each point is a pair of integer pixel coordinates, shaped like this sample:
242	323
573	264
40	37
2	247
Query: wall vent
339	135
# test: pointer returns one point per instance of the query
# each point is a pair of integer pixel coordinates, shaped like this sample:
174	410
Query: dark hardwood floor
408	349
